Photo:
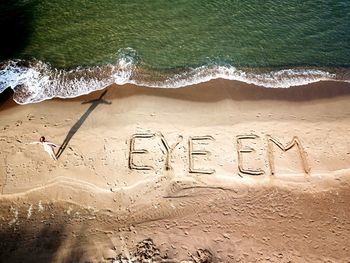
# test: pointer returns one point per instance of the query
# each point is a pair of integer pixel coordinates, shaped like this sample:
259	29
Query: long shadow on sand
77	125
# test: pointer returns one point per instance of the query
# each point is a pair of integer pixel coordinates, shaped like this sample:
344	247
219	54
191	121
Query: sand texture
217	172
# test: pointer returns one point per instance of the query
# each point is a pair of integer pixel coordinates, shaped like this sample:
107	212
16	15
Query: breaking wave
36	81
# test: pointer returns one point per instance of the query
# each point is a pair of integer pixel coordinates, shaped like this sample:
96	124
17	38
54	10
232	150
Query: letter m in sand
295	142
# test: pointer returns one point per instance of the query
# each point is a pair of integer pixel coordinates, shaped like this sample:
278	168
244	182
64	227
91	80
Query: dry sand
90	206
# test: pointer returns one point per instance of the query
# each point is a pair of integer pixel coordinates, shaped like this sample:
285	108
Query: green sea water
57	48
183	33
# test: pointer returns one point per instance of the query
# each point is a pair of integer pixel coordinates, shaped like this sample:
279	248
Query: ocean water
56	48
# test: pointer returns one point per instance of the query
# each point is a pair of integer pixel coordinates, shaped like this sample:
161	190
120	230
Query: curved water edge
36	81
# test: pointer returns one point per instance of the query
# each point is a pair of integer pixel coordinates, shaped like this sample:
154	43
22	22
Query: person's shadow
78	124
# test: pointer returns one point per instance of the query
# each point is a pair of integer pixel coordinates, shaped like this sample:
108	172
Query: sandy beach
179	175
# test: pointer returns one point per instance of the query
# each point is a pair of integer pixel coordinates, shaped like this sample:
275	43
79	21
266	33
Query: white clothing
49	148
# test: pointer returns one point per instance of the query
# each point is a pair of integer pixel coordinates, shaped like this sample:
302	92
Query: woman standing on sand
48	147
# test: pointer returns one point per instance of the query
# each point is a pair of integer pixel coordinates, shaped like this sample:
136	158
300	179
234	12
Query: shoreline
238	90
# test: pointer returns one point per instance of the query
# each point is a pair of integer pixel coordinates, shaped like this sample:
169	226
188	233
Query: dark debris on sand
147	252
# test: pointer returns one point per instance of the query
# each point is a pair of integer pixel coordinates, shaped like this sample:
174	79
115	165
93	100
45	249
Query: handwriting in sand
241	151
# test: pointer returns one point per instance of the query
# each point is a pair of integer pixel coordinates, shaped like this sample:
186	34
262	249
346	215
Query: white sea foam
37	81
275	79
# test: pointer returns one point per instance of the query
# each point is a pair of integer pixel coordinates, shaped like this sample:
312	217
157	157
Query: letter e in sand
193	153
241	150
133	151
